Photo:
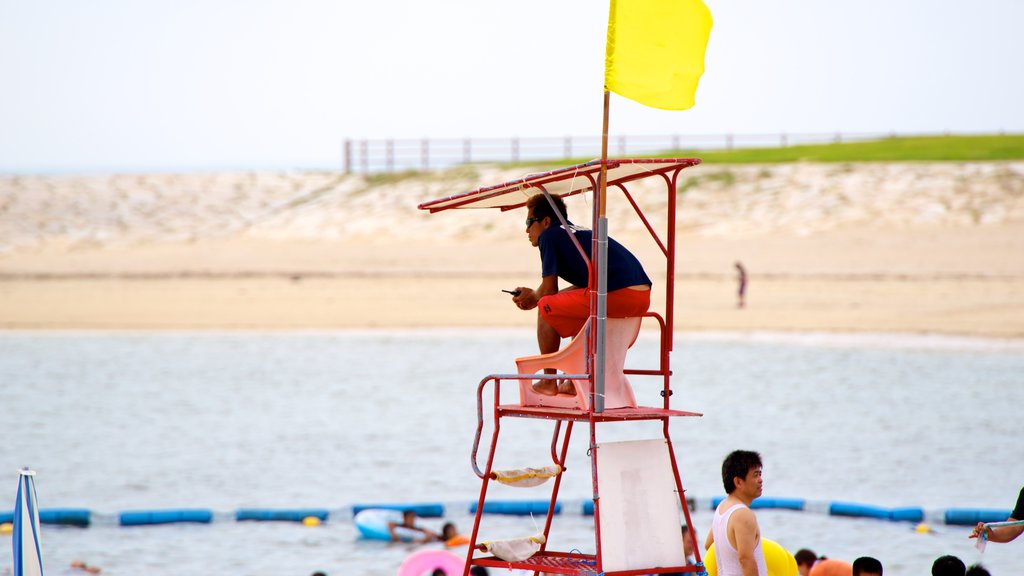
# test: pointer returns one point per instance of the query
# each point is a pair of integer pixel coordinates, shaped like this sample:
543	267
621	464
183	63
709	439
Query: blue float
65	516
146	517
971	516
911	514
280	515
856	510
768	503
372	524
423	510
516	507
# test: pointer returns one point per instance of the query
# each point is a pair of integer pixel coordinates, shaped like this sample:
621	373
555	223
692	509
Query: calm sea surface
139	421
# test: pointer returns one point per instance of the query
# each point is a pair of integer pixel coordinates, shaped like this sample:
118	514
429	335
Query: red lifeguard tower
633	482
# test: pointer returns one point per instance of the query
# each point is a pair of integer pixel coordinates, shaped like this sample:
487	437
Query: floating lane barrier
971	516
83	517
281	515
66	516
516	507
146	517
867	511
423	510
798	504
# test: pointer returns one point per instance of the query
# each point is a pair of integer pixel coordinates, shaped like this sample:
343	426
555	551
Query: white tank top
726	558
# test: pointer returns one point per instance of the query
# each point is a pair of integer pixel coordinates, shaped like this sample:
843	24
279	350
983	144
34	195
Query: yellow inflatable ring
778	560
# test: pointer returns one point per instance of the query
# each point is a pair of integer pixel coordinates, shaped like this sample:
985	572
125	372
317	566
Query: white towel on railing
526	477
514	549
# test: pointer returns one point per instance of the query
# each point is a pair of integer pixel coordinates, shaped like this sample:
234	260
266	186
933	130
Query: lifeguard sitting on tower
563	313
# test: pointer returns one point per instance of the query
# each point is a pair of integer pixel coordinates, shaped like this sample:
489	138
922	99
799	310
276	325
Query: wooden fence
397	155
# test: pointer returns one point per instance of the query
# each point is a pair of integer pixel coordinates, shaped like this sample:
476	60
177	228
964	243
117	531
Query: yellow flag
655	50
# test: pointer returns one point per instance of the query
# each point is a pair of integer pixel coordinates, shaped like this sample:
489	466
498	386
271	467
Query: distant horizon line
337	164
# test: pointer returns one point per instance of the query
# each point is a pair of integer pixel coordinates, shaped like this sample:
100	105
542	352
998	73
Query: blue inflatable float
516	507
145	517
971	516
281	515
768	503
423	510
878	512
65	516
372	524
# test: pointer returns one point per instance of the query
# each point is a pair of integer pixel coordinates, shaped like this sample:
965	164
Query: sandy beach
918	248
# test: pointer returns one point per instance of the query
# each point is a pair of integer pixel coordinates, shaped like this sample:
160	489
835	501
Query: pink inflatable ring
426	561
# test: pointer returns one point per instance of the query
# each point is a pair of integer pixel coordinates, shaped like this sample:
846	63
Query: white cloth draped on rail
514	549
526	477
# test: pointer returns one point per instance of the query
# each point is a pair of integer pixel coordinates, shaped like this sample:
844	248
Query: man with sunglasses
563	313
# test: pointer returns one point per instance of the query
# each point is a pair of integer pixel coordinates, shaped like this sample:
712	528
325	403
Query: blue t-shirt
559	256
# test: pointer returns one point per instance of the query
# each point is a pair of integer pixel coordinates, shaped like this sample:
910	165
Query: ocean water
140	421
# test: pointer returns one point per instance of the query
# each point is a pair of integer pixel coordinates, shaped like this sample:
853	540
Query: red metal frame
567	182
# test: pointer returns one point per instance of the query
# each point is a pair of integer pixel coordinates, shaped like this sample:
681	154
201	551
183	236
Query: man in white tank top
734	529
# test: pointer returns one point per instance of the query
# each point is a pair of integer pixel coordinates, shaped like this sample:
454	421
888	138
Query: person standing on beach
734	527
1003	533
741	288
562	313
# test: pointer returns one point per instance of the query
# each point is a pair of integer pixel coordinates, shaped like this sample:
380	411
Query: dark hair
478	571
978	570
737	465
867	564
948	566
541	208
805	557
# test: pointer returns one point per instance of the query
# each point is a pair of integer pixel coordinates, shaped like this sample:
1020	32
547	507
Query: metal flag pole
600	249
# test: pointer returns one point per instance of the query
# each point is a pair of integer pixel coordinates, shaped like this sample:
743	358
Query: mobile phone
512	292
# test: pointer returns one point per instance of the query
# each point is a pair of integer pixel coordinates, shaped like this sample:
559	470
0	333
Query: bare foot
566	388
546	387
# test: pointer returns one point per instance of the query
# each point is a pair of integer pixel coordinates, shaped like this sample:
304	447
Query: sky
134	85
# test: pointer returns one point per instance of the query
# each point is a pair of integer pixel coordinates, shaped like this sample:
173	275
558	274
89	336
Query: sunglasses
531	220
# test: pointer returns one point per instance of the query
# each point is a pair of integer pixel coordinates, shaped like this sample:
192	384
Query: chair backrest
620	334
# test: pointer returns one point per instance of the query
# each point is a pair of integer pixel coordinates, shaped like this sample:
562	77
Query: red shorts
568	310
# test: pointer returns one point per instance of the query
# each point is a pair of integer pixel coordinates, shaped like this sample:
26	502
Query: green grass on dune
897	149
931	148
